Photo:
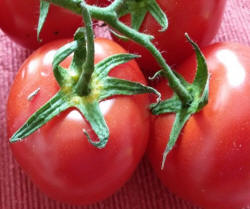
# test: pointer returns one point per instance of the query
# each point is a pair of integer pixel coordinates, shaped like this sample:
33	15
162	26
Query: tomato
199	18
209	165
58	157
19	19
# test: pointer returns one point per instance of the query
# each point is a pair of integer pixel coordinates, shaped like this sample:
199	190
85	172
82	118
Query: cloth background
144	190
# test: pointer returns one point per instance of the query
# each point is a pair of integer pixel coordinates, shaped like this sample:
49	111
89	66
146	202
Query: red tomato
199	18
58	157
210	164
19	19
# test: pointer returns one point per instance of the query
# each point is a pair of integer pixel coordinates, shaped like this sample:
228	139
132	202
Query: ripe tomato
58	157
199	18
19	19
210	164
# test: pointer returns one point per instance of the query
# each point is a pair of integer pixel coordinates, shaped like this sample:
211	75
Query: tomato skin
19	19
58	157
209	165
200	19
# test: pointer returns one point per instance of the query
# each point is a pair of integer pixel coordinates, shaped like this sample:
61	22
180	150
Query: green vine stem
82	86
110	16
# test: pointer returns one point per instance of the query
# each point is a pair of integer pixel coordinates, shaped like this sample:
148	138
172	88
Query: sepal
102	68
115	86
181	118
52	108
93	115
60	73
44	9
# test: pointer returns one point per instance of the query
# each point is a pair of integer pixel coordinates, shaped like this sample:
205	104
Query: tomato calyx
199	90
138	10
102	87
83	85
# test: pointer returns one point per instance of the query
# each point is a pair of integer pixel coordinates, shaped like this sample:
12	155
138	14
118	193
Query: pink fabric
144	190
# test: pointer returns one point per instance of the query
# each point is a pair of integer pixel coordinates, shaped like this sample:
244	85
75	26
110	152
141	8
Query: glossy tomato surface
199	18
19	19
210	164
58	157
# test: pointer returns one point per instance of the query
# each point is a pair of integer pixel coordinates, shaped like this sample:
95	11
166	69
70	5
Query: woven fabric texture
143	190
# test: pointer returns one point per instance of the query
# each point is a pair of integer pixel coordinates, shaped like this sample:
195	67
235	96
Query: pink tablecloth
143	191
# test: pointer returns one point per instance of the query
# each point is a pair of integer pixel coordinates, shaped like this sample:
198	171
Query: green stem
115	5
82	86
174	82
109	16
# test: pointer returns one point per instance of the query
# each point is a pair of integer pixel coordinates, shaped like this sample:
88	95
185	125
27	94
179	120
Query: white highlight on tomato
236	73
48	57
106	105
